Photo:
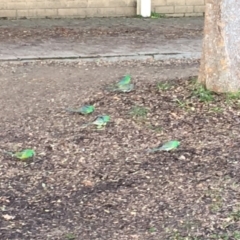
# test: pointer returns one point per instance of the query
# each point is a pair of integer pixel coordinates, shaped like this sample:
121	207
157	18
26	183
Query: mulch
91	184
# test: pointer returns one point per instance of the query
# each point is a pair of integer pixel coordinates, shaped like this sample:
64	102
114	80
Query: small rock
182	157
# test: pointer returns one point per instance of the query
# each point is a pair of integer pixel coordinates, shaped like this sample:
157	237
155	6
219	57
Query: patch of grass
157	15
153	15
236	235
236	215
185	230
177	236
203	94
233	97
216	205
138	112
70	236
217	200
181	104
188	225
184	104
219	236
164	86
216	109
152	229
193	80
226	236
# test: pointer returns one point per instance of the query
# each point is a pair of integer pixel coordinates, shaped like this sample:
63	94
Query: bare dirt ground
75	29
90	184
65	38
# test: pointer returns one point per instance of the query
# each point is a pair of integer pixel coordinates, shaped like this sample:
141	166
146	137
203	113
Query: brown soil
91	184
79	30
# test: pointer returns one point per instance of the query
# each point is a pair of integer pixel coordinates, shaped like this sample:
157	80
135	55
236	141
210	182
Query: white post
144	8
138	7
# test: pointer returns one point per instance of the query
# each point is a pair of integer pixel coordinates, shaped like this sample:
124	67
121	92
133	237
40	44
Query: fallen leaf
87	183
8	217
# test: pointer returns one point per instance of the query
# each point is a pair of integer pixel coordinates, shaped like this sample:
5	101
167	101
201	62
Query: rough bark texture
220	63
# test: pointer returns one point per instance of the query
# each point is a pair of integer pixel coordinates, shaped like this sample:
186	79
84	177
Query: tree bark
220	63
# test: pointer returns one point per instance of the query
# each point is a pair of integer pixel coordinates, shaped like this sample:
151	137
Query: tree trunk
220	63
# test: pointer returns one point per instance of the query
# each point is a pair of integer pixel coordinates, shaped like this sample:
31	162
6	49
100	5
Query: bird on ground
23	155
124	85
100	121
124	81
168	146
86	109
124	88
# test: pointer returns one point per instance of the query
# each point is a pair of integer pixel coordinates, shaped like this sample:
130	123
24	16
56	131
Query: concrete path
108	38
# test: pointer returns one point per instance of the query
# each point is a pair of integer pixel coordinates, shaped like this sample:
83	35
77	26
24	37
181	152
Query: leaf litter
103	185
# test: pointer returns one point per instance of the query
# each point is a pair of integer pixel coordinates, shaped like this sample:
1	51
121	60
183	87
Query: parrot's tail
71	110
8	153
85	125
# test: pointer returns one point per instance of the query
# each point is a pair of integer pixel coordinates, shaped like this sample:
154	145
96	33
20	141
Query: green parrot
86	109
124	81
23	155
124	88
168	146
100	121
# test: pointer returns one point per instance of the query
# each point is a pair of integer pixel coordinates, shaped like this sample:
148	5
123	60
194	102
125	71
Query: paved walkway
111	38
